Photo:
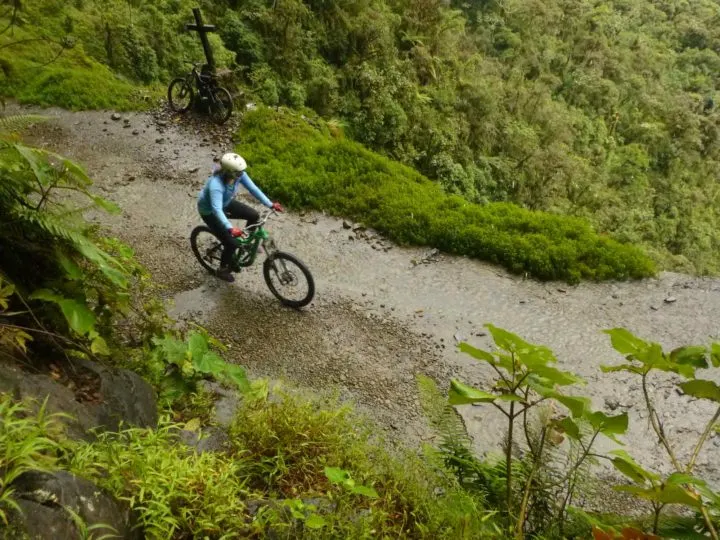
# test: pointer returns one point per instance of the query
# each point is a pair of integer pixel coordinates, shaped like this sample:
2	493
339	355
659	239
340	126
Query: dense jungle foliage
309	167
604	109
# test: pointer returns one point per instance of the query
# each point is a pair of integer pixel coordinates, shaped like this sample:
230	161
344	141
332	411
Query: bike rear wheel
207	248
221	105
295	285
180	95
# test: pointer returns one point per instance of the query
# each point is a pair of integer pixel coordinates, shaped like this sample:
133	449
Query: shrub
306	167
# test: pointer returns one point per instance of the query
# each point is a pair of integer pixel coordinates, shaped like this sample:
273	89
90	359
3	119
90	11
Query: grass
74	81
307	166
277	458
26	443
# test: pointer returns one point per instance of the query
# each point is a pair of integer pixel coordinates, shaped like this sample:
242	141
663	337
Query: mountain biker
216	203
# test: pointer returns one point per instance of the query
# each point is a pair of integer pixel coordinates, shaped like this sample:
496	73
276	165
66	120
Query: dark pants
234	210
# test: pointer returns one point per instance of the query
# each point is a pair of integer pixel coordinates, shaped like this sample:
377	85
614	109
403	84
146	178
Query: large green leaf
630	468
554	375
569	427
635	348
576	404
537	356
175	351
507	340
478	354
237	375
209	363
336	475
366	491
666	495
197	345
679	495
609	425
683	478
695	356
702	389
462	394
78	316
626	343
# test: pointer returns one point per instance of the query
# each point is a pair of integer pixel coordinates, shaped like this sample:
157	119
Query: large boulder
47	499
126	398
122	397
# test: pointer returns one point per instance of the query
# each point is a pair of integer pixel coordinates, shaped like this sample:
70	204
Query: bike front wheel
289	279
207	248
221	105
180	95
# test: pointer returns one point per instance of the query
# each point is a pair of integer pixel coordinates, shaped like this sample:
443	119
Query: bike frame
196	78
249	245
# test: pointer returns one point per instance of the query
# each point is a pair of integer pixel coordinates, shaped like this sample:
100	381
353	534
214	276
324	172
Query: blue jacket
216	195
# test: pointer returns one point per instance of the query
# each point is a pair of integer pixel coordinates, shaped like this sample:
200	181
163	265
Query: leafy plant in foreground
528	383
526	380
26	443
180	365
74	281
681	487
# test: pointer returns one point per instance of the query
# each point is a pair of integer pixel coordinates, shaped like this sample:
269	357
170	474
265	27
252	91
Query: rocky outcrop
126	398
122	397
58	505
48	501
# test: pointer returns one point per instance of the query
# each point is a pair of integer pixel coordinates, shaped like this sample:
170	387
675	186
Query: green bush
78	89
73	80
284	456
306	167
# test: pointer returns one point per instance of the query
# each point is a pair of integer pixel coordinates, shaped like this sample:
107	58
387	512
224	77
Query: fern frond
443	417
455	448
61	228
18	122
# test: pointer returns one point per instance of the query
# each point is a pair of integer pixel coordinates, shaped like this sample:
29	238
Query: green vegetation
306	167
35	74
292	465
535	490
601	110
277	461
24	445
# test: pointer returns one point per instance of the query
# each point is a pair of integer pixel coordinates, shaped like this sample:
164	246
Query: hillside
140	397
603	110
381	329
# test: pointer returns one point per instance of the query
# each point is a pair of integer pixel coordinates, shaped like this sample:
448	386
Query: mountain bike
289	271
181	94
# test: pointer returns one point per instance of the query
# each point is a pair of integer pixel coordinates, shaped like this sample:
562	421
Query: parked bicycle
182	96
286	276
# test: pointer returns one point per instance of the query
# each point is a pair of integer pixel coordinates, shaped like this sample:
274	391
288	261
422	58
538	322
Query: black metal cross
203	30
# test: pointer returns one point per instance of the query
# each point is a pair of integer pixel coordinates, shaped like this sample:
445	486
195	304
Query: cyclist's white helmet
232	163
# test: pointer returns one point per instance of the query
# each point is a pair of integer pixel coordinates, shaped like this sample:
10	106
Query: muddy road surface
382	314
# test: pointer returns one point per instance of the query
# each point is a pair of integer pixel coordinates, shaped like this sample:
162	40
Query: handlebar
197	66
263	219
